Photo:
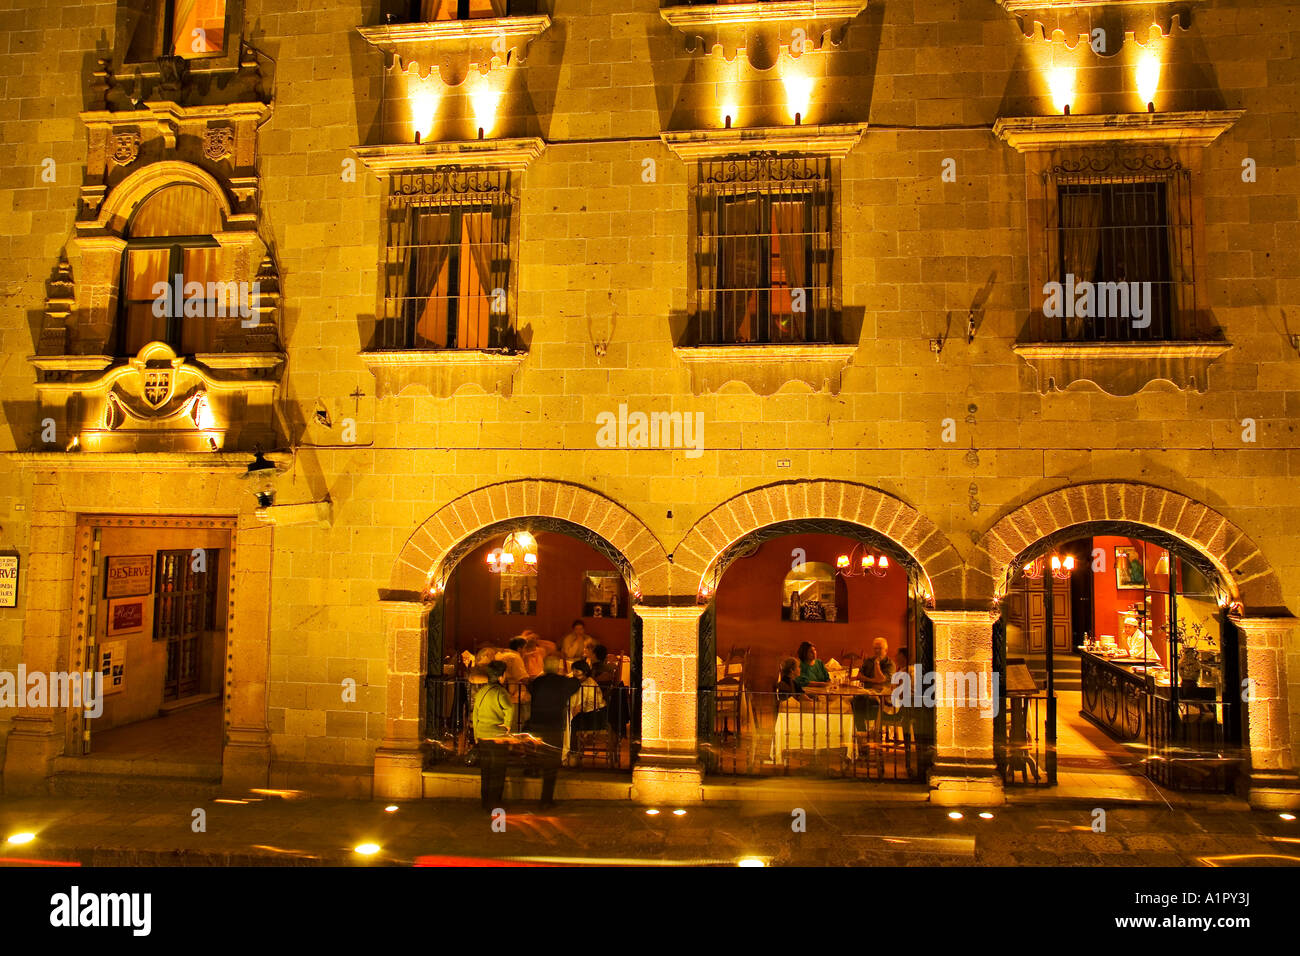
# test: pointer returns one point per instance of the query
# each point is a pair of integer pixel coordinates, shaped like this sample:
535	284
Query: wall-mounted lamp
1148	78
1060	80
261	475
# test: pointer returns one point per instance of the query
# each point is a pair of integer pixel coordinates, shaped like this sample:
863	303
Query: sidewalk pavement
286	828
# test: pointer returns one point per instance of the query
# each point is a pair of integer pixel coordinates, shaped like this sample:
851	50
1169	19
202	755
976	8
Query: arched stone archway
424	565
845	501
1263	620
139	185
1234	555
420	564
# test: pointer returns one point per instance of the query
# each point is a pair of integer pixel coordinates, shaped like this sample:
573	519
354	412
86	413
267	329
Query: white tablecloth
811	728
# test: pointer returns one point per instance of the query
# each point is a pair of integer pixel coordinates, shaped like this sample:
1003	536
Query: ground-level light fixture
18	839
750	861
956	815
391	808
652	812
679	812
986	815
366	849
1288	817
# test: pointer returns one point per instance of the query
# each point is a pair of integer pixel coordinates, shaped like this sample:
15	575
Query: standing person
551	696
494	715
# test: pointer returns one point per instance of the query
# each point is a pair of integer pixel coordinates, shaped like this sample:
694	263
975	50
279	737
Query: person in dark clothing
551	696
787	686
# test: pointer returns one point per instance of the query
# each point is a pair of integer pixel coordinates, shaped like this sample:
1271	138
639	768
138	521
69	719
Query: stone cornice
442	371
1037	133
834	141
453	46
762	27
514	154
765	368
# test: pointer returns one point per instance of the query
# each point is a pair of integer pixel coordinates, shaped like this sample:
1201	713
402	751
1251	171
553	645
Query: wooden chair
729	695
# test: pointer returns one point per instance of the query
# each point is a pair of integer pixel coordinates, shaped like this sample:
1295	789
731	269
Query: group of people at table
805	680
547	690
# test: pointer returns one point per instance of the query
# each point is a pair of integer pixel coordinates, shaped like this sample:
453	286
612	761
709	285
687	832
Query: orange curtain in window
429	292
739	252
792	241
206	16
476	281
199	333
144	269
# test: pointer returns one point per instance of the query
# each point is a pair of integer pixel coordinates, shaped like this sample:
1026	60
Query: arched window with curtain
170	242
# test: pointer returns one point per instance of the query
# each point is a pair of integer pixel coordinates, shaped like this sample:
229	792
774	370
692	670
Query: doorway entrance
154	596
1115	651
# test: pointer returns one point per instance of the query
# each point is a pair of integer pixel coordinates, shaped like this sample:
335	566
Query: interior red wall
471	618
1110	603
750	598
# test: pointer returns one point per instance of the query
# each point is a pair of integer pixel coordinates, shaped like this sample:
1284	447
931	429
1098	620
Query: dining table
825	723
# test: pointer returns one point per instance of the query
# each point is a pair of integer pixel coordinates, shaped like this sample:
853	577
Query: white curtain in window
1080	239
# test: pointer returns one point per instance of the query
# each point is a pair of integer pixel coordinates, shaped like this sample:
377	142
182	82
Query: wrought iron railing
749	733
599	738
763	251
1189	746
1023	743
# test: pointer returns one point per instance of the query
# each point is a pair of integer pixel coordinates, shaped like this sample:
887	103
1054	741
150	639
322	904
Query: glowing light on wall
1060	80
728	108
485	99
798	92
1148	77
425	94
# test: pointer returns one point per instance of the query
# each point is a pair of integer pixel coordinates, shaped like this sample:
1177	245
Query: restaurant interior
1131	638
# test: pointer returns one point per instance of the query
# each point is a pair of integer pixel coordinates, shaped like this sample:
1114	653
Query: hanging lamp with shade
517	555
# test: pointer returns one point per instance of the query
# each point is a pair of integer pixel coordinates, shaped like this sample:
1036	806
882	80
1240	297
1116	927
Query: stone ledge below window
765	368
513	154
455	46
1036	133
442	371
761	28
831	140
1121	368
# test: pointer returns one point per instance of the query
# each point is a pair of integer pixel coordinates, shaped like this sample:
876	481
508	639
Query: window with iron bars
447	270
1127	237
763	253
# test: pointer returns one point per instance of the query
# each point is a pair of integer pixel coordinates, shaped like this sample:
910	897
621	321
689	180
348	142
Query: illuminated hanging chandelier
517	555
860	561
1062	567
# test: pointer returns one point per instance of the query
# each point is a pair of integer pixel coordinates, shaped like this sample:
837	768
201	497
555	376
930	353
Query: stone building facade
926	399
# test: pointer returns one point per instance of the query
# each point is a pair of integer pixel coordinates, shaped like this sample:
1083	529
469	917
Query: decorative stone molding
442	371
1037	133
709	539
831	140
1248	575
765	368
1074	18
453	47
512	154
763	29
158	401
218	143
1120	368
420	563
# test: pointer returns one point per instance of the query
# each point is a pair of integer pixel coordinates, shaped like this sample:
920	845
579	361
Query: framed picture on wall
1129	572
129	575
602	594
125	616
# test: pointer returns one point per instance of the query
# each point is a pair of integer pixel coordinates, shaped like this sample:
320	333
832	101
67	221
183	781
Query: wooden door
1036	623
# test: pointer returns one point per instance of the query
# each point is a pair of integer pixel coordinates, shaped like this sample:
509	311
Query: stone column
246	758
965	770
399	760
668	769
1274	784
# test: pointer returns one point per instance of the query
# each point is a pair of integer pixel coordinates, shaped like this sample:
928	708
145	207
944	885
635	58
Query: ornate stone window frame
762	29
1042	18
227	61
441	372
1120	368
766	368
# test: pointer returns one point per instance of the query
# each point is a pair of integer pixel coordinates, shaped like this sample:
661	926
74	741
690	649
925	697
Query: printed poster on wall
129	576
125	616
8	580
112	664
